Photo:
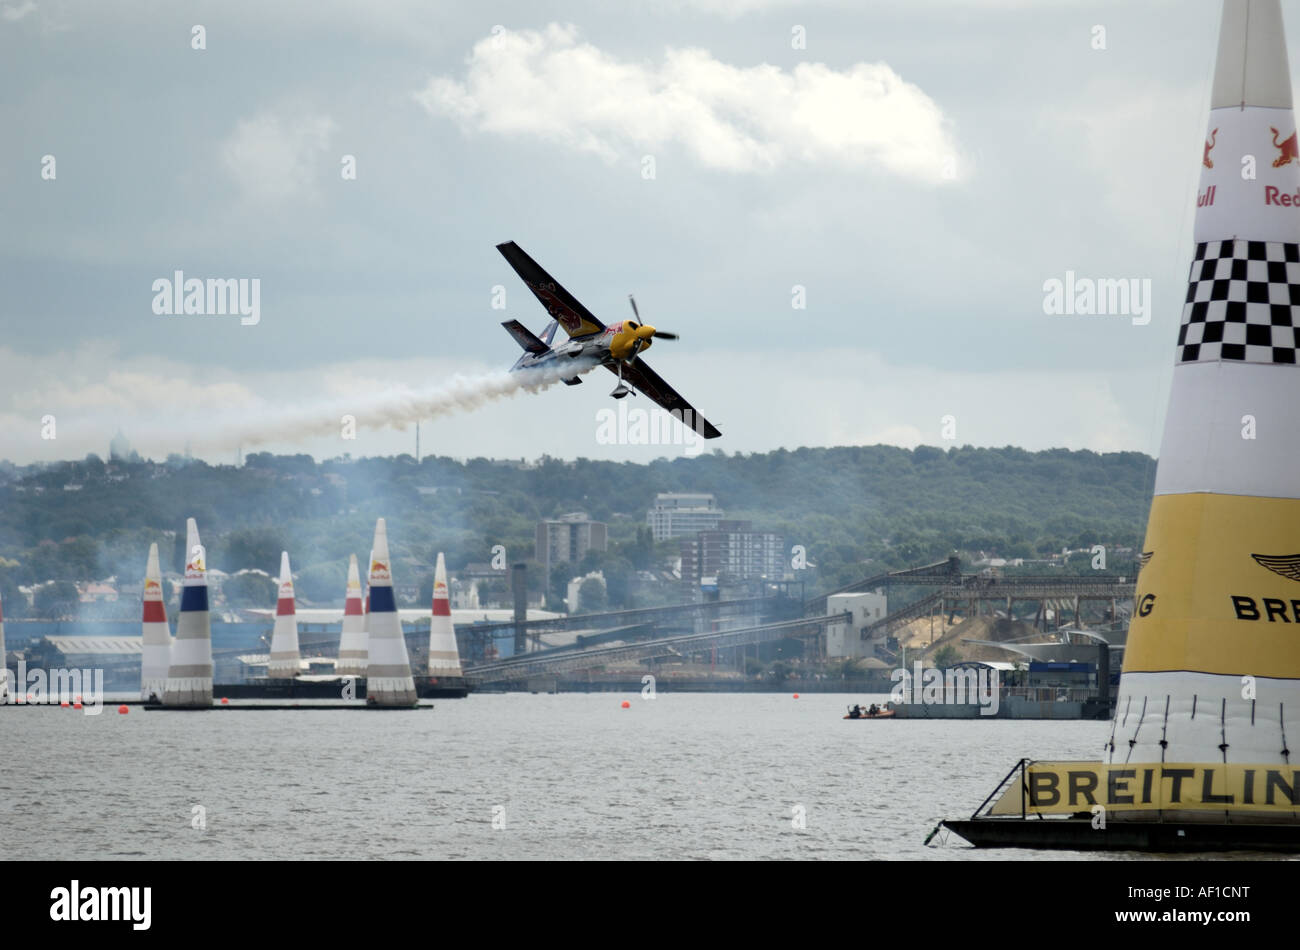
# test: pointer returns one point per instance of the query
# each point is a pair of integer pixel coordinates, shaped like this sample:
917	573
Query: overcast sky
919	169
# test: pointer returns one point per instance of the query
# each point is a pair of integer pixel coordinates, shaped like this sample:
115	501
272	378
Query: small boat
862	712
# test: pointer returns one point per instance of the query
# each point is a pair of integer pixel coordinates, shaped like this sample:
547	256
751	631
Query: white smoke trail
392	408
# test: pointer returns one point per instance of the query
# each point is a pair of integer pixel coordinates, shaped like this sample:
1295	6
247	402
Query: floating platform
106	703
332	687
303	688
1078	834
441	687
280	707
1048	805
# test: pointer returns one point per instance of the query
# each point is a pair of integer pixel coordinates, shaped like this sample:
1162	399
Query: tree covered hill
855	509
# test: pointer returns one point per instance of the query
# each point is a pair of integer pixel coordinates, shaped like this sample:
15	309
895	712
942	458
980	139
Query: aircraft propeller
643	332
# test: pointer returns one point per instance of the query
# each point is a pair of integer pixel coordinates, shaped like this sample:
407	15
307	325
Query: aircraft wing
576	319
652	384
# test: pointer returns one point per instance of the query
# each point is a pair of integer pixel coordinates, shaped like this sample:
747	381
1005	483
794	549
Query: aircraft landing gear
622	389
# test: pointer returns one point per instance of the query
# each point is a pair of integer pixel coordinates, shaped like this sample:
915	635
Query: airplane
616	347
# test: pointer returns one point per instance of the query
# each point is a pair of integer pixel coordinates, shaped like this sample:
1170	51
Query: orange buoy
65	704
224	701
796	695
76	705
123	709
626	704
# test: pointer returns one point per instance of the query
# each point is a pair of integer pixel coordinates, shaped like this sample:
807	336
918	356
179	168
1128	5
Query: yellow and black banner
1066	788
1219	591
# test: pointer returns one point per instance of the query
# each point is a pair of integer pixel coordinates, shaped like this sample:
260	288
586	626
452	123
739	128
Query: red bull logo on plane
571	322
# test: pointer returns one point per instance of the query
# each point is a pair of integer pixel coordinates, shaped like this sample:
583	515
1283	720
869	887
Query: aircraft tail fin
524	337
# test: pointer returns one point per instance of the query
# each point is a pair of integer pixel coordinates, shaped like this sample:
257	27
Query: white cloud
275	159
92	390
845	396
15	13
548	85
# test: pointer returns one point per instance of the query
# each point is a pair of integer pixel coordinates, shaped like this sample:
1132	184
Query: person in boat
873	709
855	712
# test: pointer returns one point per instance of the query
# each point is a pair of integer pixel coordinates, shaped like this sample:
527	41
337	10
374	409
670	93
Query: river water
512	776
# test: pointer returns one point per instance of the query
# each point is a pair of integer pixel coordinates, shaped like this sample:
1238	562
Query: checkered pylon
1243	303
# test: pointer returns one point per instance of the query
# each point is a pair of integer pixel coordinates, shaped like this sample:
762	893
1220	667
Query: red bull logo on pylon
1289	149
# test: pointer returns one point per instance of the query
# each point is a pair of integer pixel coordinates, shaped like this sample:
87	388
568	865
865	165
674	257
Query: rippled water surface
569	776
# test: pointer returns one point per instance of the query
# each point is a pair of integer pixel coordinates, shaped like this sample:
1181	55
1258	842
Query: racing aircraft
616	347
